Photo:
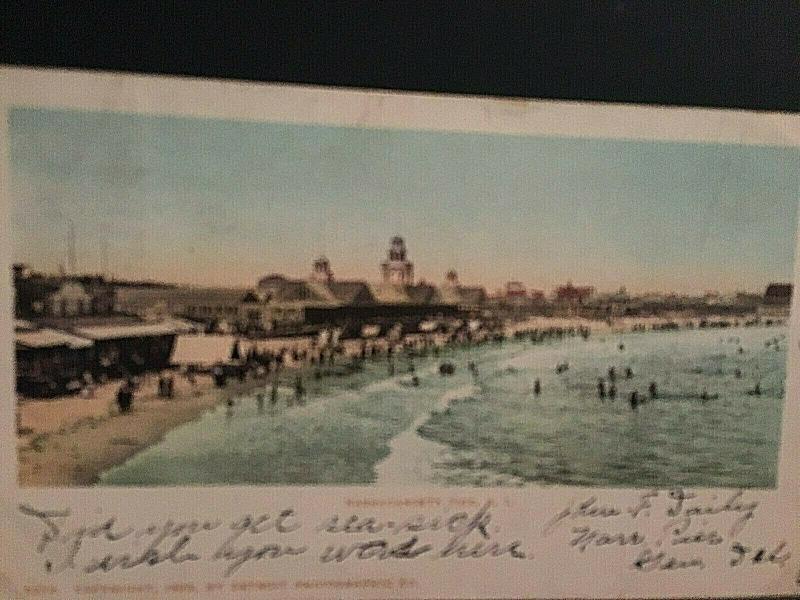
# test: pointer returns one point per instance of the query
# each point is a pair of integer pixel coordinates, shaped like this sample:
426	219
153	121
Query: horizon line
529	290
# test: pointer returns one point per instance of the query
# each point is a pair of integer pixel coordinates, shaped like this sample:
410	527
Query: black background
729	54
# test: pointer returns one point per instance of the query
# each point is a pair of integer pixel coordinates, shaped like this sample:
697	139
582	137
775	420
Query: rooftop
111	332
50	338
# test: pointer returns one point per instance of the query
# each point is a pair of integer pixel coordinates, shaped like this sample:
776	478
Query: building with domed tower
397	269
469	298
451	279
280	304
321	271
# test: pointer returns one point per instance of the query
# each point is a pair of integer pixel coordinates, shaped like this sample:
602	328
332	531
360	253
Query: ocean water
491	430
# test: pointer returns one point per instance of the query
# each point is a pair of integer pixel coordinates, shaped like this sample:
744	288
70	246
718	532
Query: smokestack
71	254
104	257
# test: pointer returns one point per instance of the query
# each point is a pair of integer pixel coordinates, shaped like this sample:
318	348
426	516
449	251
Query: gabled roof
779	290
460	294
320	292
450	294
385	293
472	295
351	292
251	296
422	294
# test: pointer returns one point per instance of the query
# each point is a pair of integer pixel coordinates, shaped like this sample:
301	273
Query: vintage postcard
291	342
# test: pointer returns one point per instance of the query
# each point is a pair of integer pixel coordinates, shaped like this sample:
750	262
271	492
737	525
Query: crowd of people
325	360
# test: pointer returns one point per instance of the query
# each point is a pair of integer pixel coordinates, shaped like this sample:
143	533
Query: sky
223	202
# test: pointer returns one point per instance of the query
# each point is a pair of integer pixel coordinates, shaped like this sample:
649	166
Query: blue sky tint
223	202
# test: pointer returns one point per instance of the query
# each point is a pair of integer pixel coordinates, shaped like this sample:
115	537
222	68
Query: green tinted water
494	431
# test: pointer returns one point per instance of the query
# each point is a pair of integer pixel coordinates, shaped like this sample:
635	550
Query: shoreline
410	454
73	440
78	453
630	324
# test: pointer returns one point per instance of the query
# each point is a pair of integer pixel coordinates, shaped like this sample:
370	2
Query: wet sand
71	440
75	439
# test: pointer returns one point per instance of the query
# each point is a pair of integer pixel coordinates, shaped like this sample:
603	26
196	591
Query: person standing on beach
653	390
219	376
601	389
612	374
125	397
273	395
634	400
88	384
537	387
299	391
612	392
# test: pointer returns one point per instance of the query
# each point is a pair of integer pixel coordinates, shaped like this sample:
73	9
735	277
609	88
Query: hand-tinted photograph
222	302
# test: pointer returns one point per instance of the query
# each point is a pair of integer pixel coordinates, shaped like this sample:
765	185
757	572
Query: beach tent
203	350
395	333
370	331
456	325
428	326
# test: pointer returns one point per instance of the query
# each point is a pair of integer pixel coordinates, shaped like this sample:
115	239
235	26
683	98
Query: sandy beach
71	440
